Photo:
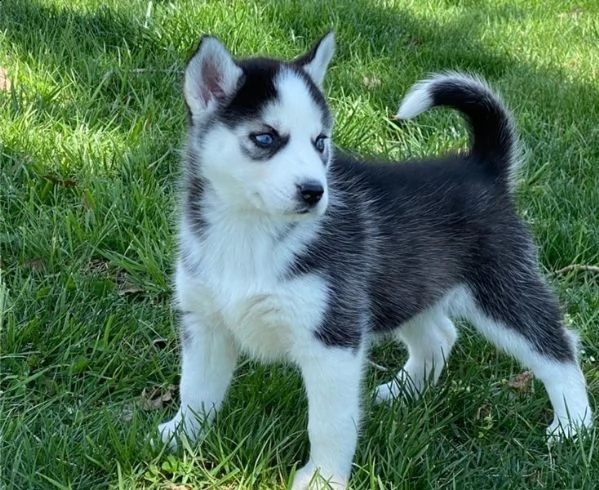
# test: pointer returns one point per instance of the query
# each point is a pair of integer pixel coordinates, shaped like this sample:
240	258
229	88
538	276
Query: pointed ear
211	76
316	61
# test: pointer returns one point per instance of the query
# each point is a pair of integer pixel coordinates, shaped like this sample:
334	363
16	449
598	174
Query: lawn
91	123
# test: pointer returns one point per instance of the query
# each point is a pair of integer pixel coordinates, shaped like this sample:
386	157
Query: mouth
307	212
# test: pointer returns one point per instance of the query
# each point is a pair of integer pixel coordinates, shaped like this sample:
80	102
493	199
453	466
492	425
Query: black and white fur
290	252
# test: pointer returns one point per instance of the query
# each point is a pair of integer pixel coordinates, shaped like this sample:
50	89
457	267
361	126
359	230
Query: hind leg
429	338
525	323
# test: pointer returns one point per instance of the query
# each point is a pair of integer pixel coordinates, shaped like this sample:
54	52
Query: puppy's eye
319	143
263	140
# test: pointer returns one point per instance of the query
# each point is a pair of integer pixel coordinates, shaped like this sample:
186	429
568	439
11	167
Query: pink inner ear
211	82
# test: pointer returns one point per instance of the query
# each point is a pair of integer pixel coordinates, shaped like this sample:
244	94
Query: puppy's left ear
316	61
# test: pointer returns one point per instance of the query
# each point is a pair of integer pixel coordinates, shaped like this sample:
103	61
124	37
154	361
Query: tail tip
418	100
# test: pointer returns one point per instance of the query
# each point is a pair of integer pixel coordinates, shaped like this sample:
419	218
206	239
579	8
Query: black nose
310	192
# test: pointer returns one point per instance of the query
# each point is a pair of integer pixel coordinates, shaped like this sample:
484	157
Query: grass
89	138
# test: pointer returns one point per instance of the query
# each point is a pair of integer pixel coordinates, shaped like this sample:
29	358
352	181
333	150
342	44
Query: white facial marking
270	185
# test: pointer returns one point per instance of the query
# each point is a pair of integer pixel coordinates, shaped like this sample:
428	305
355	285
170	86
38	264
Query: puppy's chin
307	213
292	213
295	215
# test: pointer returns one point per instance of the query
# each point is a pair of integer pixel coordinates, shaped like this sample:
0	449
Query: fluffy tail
492	129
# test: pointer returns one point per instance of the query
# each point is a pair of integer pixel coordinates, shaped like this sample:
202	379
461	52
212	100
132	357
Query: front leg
209	357
332	377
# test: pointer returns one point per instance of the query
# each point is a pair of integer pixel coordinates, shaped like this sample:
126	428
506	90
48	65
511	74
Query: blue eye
263	140
319	143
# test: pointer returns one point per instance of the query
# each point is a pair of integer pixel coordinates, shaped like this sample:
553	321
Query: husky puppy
288	251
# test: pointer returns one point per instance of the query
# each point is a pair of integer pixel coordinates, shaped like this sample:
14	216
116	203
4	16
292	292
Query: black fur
257	89
493	141
426	227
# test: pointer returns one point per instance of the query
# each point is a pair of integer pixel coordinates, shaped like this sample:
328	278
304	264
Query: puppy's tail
494	141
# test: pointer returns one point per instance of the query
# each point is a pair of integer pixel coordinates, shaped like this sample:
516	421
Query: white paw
386	392
567	428
167	433
311	478
179	426
401	388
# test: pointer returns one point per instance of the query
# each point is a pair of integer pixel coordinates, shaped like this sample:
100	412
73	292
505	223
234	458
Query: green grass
89	139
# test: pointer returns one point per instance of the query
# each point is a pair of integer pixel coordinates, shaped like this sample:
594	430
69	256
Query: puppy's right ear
211	76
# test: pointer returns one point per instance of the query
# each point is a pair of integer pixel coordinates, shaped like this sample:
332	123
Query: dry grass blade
5	84
576	268
521	381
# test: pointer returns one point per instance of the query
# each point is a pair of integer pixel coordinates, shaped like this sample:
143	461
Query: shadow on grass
110	58
365	32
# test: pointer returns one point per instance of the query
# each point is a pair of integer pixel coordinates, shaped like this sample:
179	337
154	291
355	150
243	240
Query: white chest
238	283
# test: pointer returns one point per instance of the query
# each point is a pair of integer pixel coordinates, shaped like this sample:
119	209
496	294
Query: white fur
417	101
238	285
429	338
208	361
239	302
332	379
236	301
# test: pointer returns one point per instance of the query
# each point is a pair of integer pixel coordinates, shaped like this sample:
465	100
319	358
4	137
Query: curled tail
494	141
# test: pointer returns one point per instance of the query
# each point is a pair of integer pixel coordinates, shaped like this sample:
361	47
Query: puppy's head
260	128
